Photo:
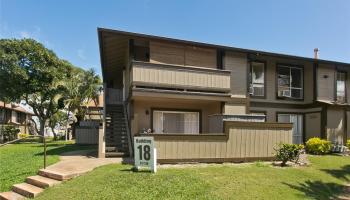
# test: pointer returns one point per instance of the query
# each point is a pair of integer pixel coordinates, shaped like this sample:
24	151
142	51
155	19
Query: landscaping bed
324	178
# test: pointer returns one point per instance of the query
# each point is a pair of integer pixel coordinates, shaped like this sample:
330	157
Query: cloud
81	54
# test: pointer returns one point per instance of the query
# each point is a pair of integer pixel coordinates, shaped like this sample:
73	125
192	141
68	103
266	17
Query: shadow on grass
133	170
319	189
58	149
343	173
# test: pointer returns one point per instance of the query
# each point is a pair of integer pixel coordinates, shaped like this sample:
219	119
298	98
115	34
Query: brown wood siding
178	54
241	141
167	76
325	82
237	64
312	125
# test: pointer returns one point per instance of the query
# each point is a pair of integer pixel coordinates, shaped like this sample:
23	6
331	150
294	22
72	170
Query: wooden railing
180	77
114	96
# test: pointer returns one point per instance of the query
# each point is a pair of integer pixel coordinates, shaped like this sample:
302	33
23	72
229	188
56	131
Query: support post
101	141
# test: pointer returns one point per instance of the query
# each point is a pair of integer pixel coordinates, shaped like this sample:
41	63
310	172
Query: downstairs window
175	122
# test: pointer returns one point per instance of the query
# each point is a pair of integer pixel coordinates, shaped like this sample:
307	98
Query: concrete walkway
71	164
75	163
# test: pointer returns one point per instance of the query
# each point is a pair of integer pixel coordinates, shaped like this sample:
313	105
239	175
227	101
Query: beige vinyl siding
244	141
325	82
335	125
180	77
234	109
237	64
179	54
142	106
312	125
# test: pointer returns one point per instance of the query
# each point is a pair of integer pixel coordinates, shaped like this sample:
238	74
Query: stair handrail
128	129
29	136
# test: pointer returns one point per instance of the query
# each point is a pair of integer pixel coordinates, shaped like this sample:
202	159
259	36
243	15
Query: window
290	82
341	78
257	79
297	121
175	122
141	50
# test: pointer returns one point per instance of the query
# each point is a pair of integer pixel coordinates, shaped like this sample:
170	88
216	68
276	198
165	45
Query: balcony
187	78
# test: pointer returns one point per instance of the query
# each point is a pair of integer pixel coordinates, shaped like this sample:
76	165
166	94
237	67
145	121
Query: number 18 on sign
145	154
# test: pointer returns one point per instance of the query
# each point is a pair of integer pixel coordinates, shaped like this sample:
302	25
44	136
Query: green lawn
322	180
17	161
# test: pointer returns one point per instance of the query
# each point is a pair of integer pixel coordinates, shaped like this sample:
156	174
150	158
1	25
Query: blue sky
292	27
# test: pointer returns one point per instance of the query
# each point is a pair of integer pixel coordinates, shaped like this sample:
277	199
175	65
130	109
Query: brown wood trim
173	86
285	105
229	124
181	67
214	160
197	137
176	109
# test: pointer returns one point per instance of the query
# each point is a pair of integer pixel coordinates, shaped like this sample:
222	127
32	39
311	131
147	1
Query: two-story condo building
175	87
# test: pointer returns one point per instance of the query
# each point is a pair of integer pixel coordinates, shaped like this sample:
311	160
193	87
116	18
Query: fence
242	141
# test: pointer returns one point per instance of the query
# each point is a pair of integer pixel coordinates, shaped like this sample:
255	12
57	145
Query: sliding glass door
175	122
297	120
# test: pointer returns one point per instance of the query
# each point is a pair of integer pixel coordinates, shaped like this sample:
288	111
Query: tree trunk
54	133
42	129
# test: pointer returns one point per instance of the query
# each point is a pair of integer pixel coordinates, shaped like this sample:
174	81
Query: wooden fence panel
242	141
86	135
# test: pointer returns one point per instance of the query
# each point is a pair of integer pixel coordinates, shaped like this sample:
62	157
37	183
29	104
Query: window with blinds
175	122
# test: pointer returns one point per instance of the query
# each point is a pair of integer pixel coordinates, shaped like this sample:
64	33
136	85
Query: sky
296	27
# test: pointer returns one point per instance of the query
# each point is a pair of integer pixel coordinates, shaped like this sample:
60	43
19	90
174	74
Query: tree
81	88
36	75
58	119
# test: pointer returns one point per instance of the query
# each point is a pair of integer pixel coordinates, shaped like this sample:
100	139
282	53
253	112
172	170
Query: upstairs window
341	78
257	79
141	50
290	82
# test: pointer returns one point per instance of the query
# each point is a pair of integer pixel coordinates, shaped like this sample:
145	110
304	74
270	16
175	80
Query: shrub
9	133
288	152
318	146
23	135
348	144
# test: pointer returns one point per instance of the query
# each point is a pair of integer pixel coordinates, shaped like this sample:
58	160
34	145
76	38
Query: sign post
145	155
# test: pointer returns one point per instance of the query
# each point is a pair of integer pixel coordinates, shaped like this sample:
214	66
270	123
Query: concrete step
11	196
41	181
53	175
27	190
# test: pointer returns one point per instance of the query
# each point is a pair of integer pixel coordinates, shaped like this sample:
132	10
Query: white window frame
288	89
256	84
341	98
169	111
298	129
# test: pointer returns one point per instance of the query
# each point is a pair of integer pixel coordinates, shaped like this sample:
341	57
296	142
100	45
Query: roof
257	52
98	103
15	107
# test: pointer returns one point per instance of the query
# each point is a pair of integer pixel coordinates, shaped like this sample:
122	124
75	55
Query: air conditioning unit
285	93
251	90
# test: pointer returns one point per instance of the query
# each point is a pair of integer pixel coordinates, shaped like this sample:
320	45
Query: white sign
145	154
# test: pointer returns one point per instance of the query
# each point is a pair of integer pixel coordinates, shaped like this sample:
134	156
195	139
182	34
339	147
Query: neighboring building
173	86
15	114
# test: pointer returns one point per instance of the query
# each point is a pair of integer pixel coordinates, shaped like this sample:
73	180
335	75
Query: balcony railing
180	77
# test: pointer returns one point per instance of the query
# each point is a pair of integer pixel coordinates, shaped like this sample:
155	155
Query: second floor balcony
165	76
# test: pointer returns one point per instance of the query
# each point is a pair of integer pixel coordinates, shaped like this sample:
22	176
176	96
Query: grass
324	179
18	161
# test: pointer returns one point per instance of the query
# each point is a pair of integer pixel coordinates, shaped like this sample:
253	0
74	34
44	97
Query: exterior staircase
116	131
